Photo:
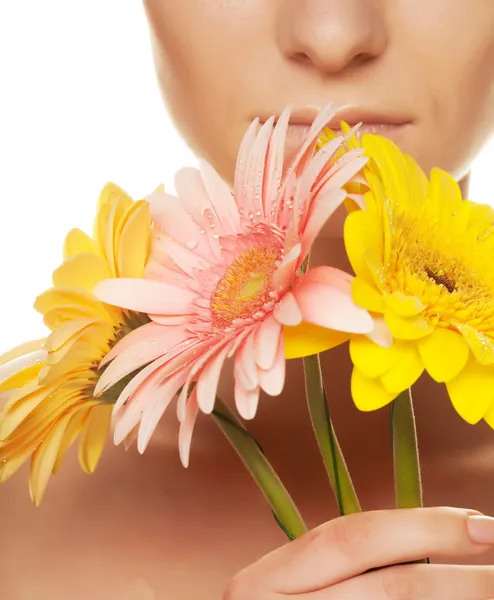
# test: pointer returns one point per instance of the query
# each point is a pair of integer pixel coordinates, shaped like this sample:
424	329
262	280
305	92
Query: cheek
458	74
202	59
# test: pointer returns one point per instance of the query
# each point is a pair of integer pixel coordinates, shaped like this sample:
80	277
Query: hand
332	562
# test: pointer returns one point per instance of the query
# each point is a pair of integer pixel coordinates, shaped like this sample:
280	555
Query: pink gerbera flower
225	279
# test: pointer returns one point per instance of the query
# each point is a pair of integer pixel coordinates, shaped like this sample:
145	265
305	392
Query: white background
79	106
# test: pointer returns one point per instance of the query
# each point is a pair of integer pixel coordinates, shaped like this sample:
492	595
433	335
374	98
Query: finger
349	546
414	582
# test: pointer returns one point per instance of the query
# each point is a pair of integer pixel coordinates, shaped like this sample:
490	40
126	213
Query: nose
332	35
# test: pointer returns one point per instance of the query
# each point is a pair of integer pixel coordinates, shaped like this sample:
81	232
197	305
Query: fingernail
481	529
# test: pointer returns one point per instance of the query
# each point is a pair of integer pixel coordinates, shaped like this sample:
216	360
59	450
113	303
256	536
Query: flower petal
413	328
403	305
444	353
134	241
367	296
81	271
187	427
287	311
94	436
207	384
324	297
372	360
273	379
369	394
147	296
472	391
246	401
267	342
405	373
307	339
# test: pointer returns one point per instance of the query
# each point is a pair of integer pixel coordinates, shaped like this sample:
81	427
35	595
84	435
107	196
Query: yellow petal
369	394
444	353
372	360
472	391
307	339
70	298
480	344
22	350
361	236
81	271
134	242
72	430
403	305
21	378
412	328
44	458
367	296
489	416
22	403
77	242
67	332
81	356
94	436
405	373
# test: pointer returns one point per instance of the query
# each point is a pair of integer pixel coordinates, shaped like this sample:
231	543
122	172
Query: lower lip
297	133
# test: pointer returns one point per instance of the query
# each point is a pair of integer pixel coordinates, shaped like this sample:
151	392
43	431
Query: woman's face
419	71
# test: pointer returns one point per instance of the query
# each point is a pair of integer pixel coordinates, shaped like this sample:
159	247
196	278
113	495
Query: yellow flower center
451	276
245	286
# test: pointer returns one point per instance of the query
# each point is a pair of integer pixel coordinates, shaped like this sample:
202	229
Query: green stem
332	455
408	481
408	485
251	453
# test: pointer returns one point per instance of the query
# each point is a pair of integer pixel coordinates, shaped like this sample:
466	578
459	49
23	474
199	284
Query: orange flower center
245	287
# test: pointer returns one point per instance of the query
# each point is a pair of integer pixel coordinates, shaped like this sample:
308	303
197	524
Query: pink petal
273	380
221	199
344	170
169	214
150	346
274	164
287	311
187	427
207	383
165	248
324	303
381	334
246	401
245	369
324	206
168	320
159	272
242	158
286	271
306	149
212	347
161	368
144	333
253	173
266	342
145	295
153	412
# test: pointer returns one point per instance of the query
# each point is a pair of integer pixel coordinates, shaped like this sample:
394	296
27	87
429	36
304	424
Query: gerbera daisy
422	259
225	279
50	383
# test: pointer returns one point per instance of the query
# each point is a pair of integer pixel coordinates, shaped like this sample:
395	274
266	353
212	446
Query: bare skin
144	528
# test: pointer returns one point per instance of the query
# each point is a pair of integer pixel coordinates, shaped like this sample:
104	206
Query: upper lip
350	114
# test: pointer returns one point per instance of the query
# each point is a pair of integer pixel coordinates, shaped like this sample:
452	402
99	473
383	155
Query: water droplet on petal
192	244
251	215
258	213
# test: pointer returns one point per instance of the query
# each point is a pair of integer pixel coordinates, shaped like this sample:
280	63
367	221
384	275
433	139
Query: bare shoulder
134	530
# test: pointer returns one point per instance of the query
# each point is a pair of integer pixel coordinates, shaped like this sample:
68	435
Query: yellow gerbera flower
422	259
50	399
